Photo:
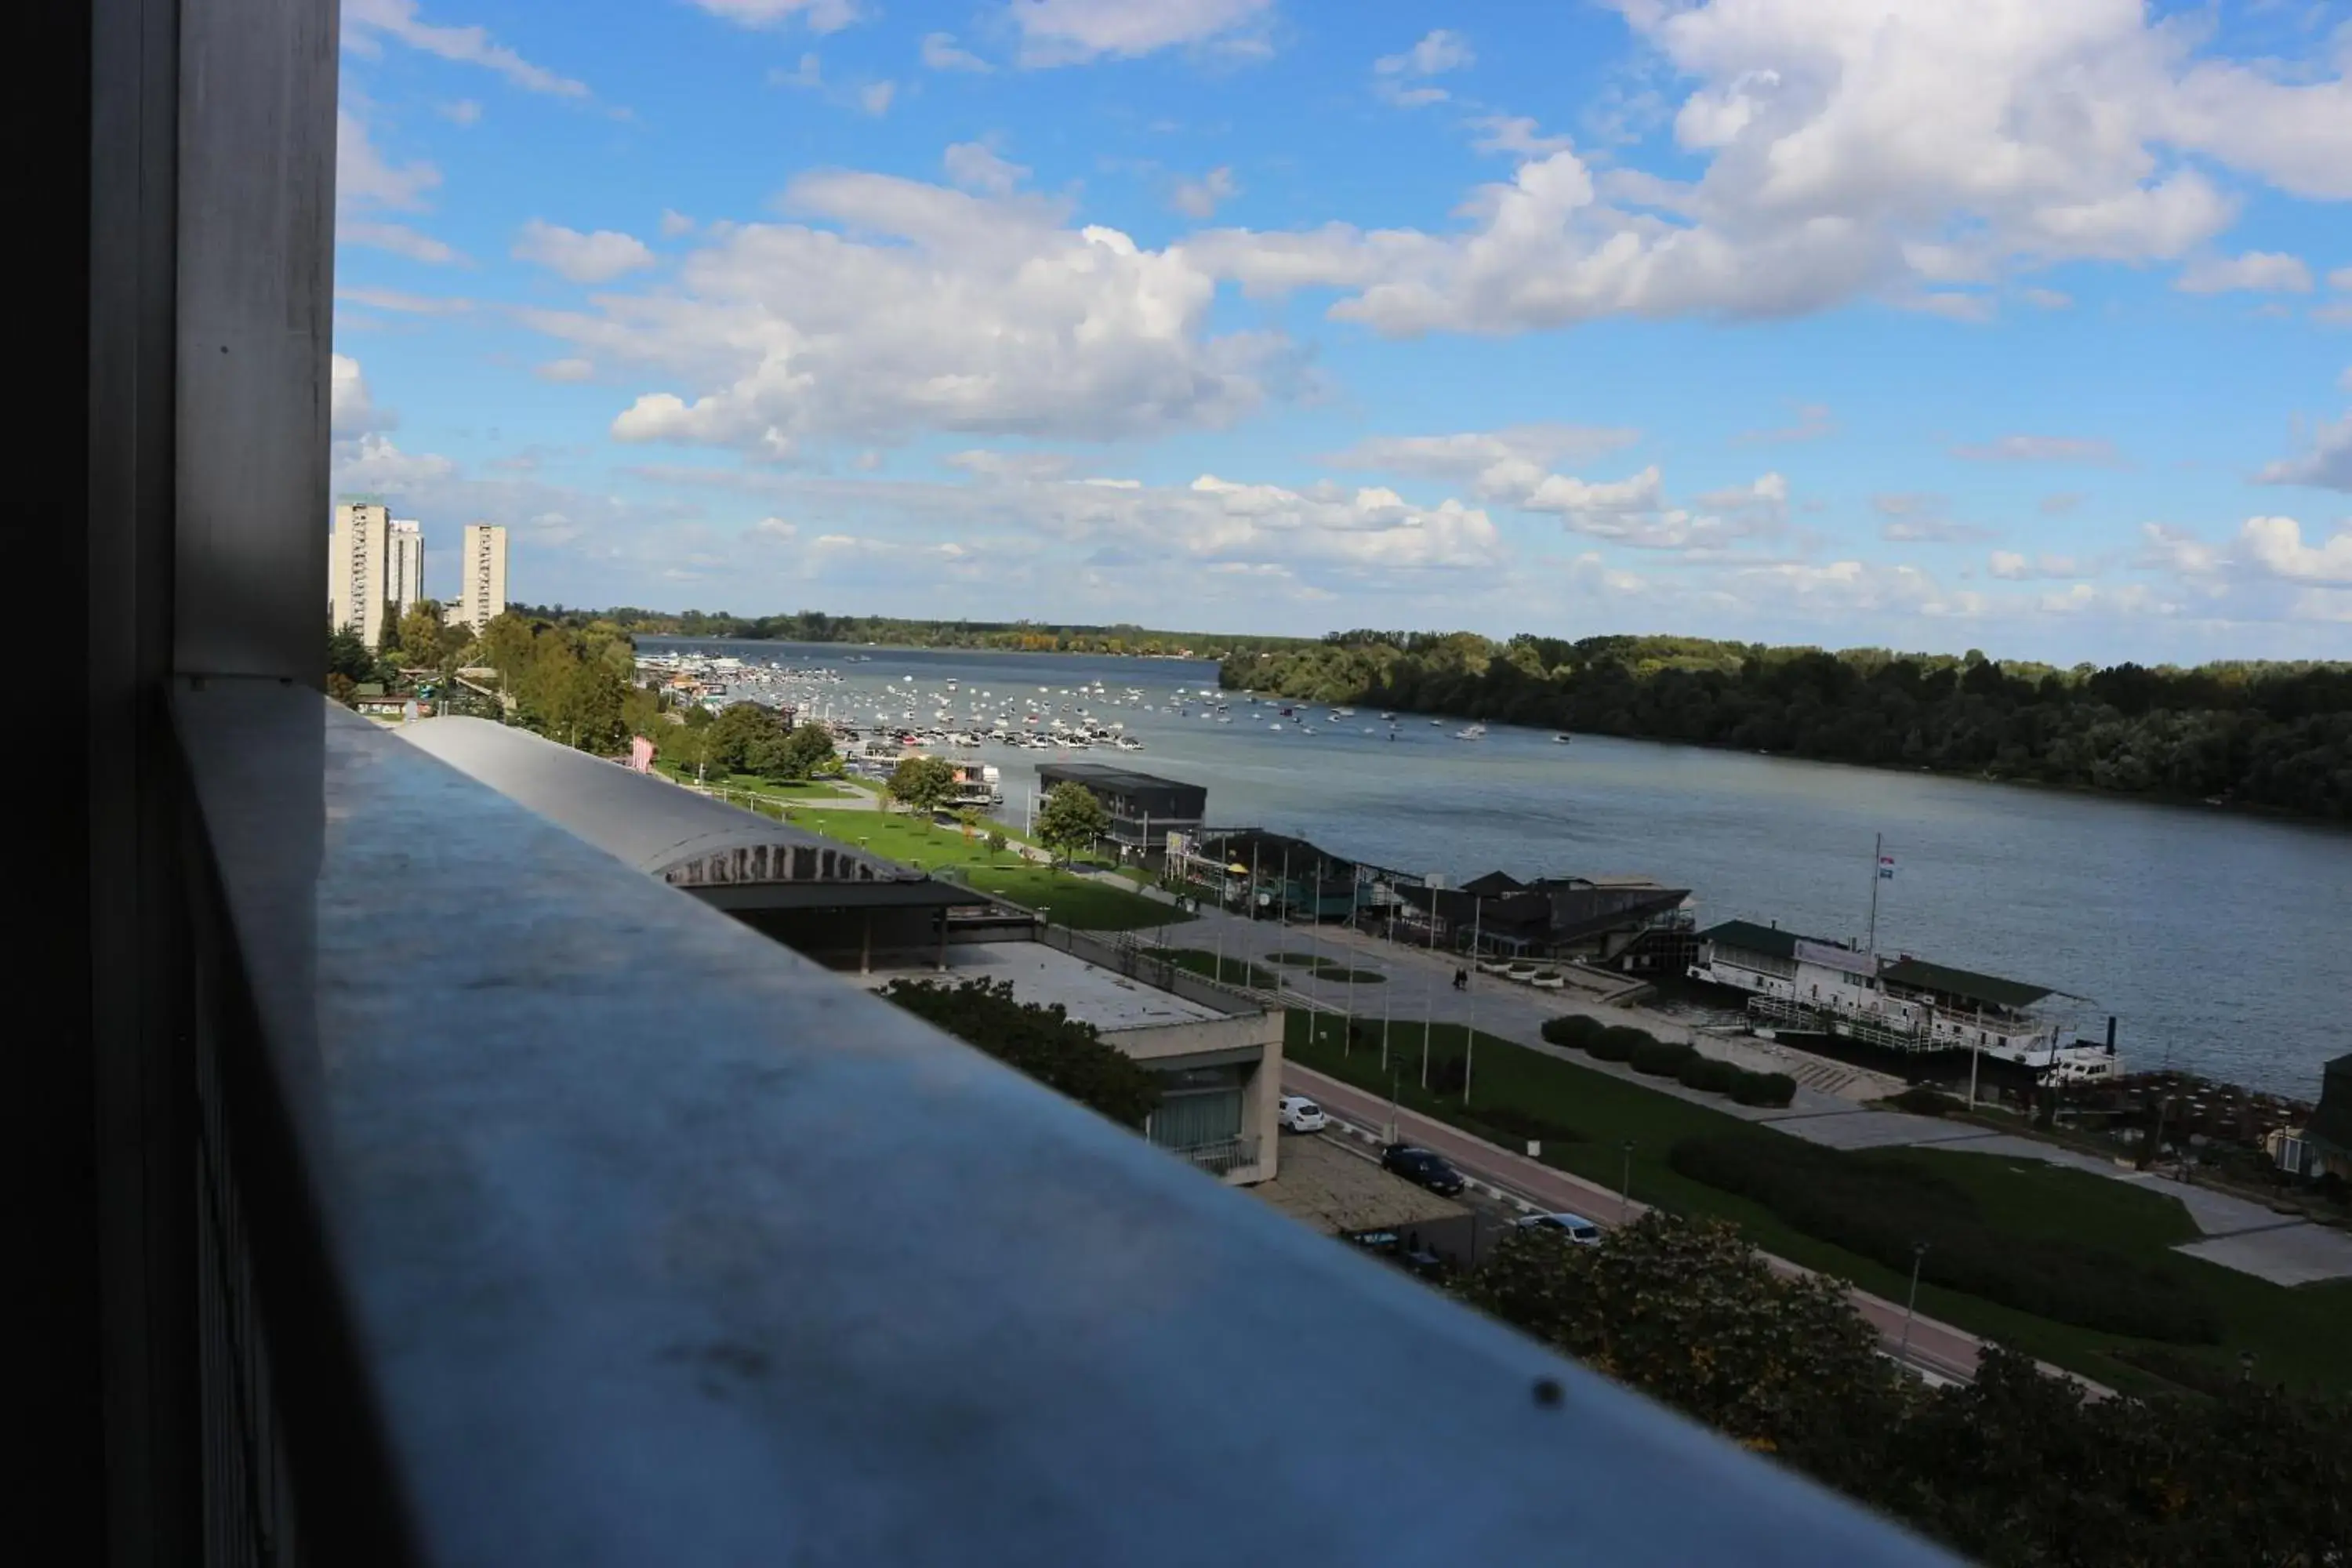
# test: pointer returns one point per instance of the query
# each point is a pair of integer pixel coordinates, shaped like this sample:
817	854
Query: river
2218	940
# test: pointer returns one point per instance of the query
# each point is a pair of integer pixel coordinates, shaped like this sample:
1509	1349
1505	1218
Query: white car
1300	1114
1575	1227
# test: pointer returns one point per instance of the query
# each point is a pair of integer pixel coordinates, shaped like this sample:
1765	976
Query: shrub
1921	1100
1771	1090
1707	1074
1447	1075
1573	1030
1618	1043
1879	1206
1661	1058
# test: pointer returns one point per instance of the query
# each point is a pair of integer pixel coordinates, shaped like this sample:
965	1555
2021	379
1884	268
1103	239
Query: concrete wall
1173	1045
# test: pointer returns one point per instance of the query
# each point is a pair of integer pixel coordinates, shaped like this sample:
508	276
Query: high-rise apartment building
358	568
482	569
407	538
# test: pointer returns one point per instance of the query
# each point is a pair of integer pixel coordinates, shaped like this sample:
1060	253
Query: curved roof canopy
663	829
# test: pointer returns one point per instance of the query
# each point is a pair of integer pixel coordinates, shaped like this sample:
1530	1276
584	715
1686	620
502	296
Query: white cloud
464	111
365	22
1516	134
1401	79
2275	544
822	16
567	370
2048	298
674	224
875	97
976	166
2328	465
2256	271
1850	149
1200	198
1464	459
1072	32
352	411
364	178
1921	517
947	311
2042	449
399	239
2340	279
597	257
1438	52
2012	567
772	530
941	53
1814	422
402	301
371	464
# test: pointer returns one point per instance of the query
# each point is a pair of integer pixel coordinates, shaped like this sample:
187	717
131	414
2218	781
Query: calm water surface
2220	940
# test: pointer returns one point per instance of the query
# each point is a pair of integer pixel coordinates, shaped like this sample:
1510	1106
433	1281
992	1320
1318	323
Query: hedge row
1881	1207
1665	1058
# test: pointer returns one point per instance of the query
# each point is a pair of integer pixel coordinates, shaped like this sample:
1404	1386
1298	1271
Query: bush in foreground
1706	1074
1769	1089
1881	1206
1661	1058
1573	1030
1921	1100
1618	1043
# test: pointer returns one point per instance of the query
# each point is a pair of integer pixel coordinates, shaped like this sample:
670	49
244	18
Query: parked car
1300	1114
1423	1169
1574	1226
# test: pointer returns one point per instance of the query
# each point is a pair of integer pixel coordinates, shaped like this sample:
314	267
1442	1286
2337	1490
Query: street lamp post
1625	1186
1910	1304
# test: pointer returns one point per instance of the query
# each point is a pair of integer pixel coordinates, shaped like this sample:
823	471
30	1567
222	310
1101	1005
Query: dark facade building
1144	809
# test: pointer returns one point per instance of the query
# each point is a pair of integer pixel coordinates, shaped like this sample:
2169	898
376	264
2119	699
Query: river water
2220	941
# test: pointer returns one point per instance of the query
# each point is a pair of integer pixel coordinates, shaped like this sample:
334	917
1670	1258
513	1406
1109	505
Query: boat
1912	1007
1472	732
1560	737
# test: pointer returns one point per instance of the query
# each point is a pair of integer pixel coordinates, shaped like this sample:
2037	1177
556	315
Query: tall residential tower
407	538
482	574
358	568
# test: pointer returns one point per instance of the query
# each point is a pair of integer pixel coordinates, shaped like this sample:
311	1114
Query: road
1937	1348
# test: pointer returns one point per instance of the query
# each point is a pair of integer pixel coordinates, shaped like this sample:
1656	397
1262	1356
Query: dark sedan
1423	1169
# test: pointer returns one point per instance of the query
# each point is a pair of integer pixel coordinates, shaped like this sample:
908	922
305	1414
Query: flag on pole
1886	868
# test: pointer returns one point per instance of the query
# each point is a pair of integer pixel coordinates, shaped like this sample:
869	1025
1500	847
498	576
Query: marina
2214	937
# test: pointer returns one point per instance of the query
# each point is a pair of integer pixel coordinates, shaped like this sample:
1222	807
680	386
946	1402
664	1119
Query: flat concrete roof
1337	1191
1045	975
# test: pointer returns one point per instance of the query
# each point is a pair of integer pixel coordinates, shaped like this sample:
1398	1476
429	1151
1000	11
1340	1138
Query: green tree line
817	626
2273	735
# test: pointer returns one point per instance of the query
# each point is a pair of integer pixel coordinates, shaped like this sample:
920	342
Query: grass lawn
2296	1334
1231	971
1074	901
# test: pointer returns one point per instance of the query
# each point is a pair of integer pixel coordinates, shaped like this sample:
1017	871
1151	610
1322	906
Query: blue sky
1943	323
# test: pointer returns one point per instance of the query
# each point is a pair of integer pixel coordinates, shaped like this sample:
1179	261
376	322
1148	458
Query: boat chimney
2111	1034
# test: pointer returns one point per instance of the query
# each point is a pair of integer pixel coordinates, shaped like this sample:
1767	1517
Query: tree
2015	1468
426	640
387	629
348	656
734	736
1072	818
808	751
923	784
1044	1042
969	820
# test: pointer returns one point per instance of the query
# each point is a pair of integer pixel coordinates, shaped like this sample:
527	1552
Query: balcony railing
555	1218
1226	1154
